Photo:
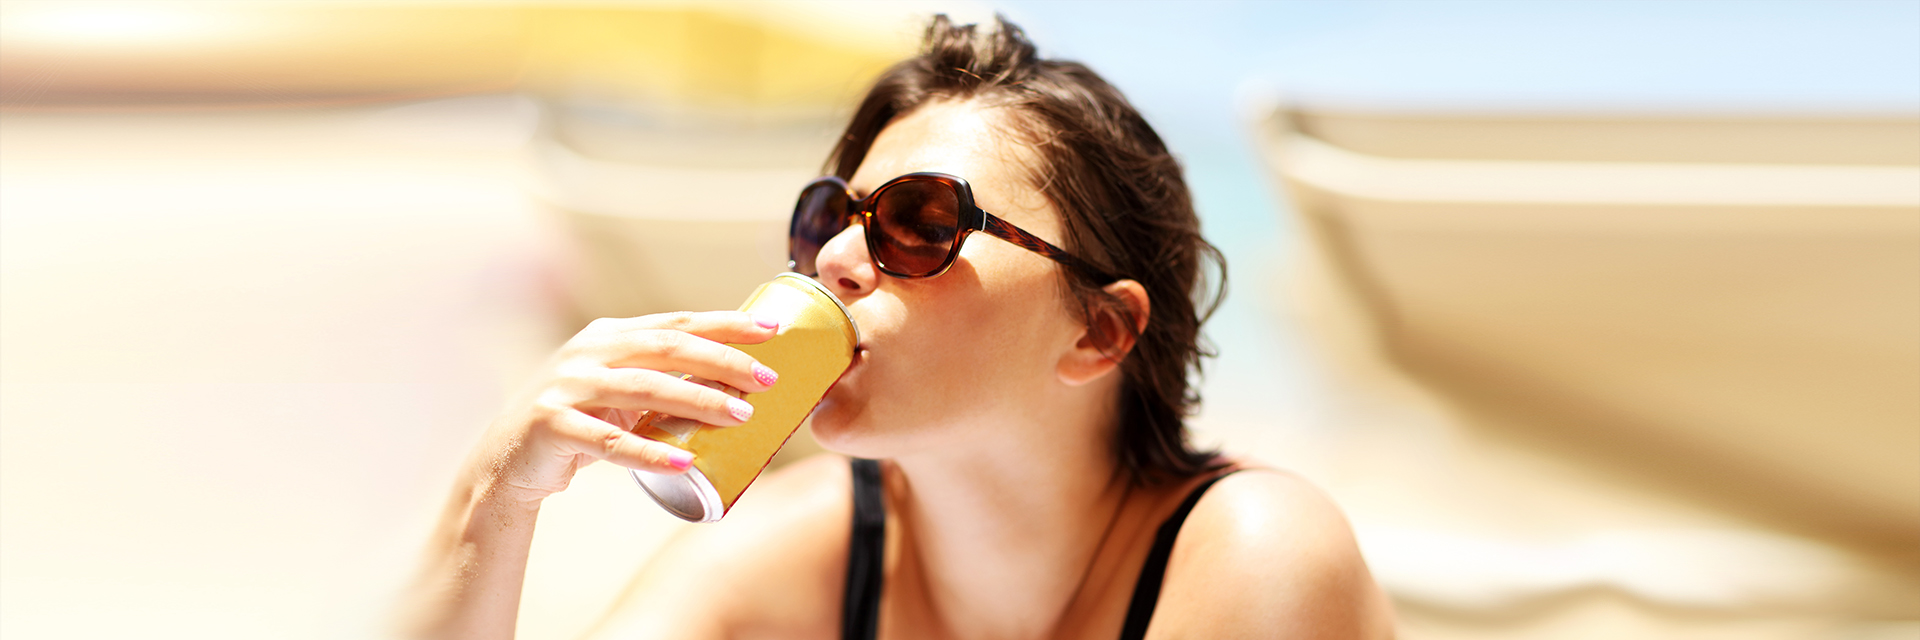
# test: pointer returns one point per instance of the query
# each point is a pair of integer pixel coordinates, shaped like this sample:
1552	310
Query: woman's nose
844	265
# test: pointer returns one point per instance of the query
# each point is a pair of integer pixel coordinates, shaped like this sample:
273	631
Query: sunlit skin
993	409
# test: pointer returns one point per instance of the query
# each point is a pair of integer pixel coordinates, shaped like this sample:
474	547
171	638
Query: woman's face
965	357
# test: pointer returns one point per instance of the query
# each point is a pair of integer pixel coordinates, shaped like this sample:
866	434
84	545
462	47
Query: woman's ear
1114	322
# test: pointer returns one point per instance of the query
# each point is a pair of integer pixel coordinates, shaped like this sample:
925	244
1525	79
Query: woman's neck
996	541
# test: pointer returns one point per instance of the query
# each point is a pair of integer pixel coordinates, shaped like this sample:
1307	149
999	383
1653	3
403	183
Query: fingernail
763	375
680	460
740	409
766	321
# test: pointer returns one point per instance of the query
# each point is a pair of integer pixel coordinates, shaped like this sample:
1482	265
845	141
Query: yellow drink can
814	345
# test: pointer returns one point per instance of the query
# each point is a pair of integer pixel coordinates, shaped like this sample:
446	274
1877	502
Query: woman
1023	390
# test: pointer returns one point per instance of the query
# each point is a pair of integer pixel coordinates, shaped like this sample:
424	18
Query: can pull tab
680	428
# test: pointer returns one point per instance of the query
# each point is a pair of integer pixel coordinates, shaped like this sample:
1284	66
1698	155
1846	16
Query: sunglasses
915	225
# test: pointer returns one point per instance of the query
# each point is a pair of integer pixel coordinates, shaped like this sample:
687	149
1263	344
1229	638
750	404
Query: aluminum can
813	346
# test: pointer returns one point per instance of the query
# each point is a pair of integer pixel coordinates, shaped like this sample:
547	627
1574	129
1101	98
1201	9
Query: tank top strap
1146	591
866	553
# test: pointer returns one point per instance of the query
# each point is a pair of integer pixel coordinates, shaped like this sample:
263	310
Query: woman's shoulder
776	561
1266	549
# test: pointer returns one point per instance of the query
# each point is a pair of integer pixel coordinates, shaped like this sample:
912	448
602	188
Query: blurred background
1601	320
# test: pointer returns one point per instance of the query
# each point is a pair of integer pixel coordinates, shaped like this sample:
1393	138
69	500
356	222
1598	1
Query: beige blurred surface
258	297
243	354
1655	376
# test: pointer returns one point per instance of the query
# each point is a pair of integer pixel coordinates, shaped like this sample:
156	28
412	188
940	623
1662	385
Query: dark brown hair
1125	206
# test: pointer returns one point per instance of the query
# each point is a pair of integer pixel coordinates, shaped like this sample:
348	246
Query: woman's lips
860	355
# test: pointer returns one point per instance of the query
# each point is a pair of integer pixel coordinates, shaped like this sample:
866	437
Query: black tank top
860	613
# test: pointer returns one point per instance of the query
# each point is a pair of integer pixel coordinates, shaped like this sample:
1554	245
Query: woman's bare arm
475	564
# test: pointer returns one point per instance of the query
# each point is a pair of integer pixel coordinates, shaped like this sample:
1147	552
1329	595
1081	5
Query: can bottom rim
689	496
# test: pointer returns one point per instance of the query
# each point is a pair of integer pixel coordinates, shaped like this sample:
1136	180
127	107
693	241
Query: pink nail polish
740	409
680	459
763	375
766	322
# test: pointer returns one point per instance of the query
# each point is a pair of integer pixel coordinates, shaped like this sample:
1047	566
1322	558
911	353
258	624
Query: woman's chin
831	427
833	418
843	423
840	429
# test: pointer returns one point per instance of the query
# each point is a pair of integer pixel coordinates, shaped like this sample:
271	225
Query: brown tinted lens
914	225
820	215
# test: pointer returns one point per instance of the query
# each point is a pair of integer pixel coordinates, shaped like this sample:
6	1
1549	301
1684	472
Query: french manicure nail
763	375
766	321
740	409
680	459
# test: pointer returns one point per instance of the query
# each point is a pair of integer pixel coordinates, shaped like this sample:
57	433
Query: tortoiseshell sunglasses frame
971	218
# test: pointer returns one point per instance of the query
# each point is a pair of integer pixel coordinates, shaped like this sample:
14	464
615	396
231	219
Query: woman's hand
589	394
577	411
